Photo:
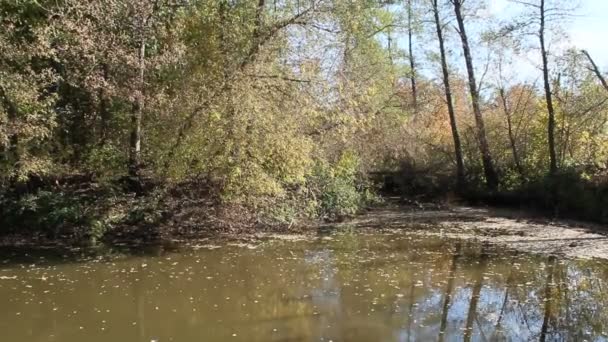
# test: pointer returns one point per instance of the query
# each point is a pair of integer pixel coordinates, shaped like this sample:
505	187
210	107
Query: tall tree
448	96
542	14
509	110
547	85
486	156
27	118
145	13
410	36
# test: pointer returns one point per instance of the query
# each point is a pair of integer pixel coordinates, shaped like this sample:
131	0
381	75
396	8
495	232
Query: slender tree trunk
390	47
548	96
12	152
223	15
486	156
136	117
258	19
512	141
448	98
104	111
411	56
596	70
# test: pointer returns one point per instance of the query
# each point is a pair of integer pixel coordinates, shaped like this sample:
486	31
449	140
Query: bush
330	192
568	194
54	213
107	162
44	211
340	189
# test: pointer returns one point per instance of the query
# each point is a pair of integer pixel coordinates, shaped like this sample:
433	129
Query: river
346	286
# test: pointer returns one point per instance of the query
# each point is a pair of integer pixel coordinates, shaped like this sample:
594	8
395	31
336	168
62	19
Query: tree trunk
12	154
448	98
596	70
548	96
512	141
258	20
411	56
136	117
104	111
389	47
486	156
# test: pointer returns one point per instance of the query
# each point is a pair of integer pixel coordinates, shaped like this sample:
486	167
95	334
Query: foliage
340	190
286	109
55	212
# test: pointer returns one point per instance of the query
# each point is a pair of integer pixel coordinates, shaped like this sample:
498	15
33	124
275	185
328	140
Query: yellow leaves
372	91
348	165
215	116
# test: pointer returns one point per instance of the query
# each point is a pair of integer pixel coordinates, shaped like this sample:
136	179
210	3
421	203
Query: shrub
45	211
54	213
340	189
106	162
569	193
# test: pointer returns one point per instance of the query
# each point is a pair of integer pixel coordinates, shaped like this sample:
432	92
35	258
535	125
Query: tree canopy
292	106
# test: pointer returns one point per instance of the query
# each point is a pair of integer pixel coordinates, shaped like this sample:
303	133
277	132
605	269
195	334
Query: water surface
344	287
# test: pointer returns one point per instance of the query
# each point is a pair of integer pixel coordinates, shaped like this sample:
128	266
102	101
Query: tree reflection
352	288
448	293
477	285
547	298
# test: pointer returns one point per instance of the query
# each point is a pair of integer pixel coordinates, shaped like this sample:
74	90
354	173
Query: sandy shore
514	229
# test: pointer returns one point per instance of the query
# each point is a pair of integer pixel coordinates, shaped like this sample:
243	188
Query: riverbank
516	229
203	223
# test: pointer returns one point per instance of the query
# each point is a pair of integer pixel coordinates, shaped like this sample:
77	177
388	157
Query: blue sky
588	30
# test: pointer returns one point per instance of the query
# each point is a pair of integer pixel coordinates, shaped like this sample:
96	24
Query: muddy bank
519	230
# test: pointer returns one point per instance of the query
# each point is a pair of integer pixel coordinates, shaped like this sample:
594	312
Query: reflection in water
350	287
548	299
472	314
448	293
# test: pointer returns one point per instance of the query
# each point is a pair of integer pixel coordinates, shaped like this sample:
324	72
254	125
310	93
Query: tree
543	13
514	101
547	86
27	118
149	19
486	156
448	97
596	70
410	40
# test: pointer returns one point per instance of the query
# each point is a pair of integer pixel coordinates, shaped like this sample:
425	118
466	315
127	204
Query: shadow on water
343	286
14	256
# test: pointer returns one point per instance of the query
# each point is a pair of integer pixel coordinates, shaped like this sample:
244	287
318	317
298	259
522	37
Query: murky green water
350	287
